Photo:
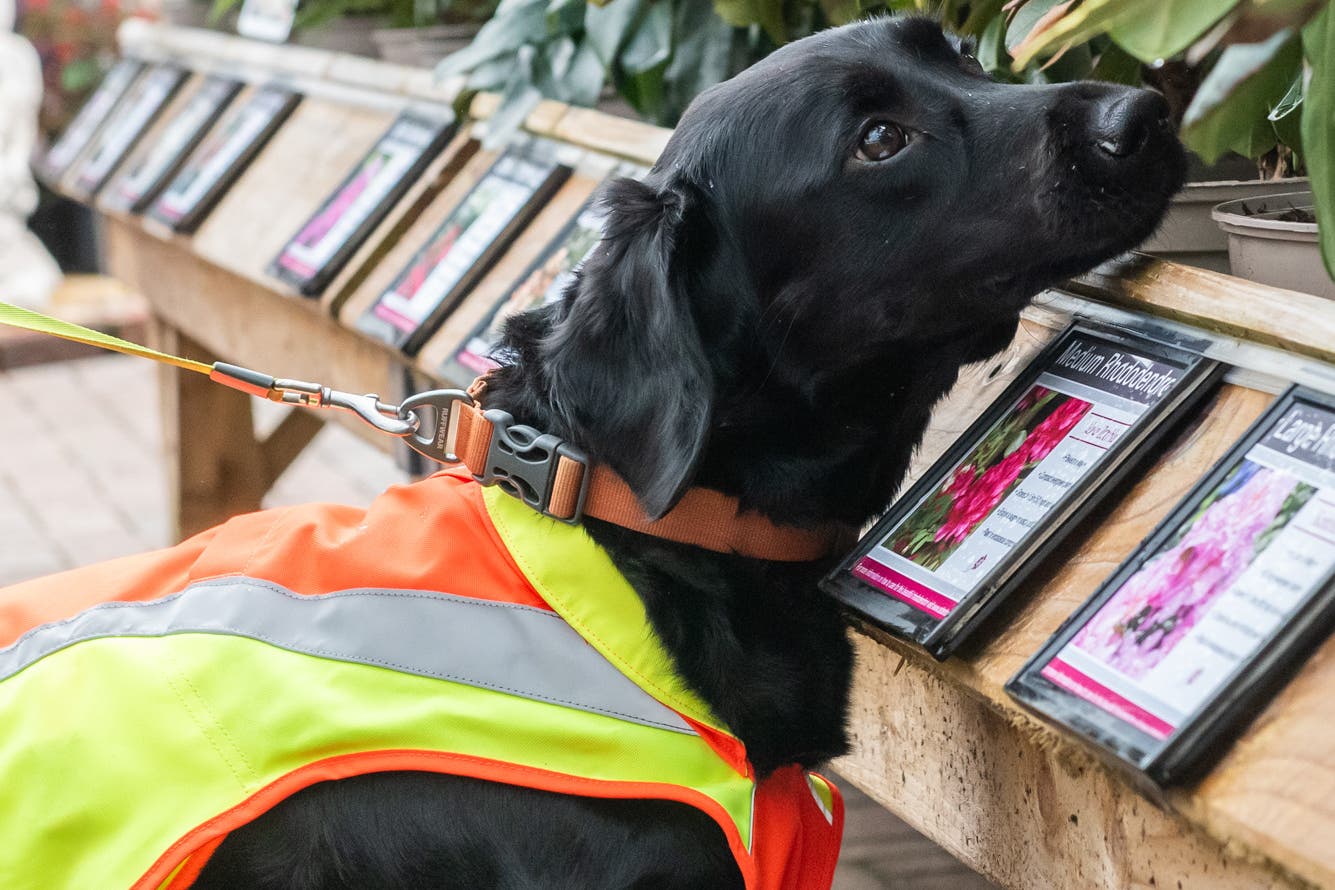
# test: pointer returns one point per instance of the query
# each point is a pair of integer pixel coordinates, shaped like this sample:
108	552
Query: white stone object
28	274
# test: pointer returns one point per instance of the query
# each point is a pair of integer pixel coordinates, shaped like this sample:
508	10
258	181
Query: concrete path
80	481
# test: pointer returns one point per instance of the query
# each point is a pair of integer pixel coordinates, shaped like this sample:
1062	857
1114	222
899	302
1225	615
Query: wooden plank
630	139
585	127
545	117
1298	322
304	161
374	74
496	283
244	323
421	83
379	278
402	215
214	465
1002	798
1267	800
287	440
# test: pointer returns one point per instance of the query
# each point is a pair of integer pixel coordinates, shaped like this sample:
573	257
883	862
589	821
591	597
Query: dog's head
858	193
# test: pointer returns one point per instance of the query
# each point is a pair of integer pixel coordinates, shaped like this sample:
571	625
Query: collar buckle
540	469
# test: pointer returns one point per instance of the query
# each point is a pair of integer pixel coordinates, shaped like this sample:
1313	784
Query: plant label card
348	216
461	250
542	283
222	157
135	189
90	118
132	116
269	20
1062	436
1198	627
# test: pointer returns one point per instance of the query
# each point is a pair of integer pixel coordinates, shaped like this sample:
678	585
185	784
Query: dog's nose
1123	121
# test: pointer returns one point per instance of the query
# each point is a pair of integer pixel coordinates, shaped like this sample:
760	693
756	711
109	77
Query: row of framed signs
206	146
1198	626
1156	669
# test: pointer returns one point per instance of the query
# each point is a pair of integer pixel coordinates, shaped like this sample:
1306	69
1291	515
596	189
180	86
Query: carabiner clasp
381	415
385	417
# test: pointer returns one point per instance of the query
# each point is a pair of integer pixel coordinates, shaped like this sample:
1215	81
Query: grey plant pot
423	47
1263	248
350	34
1189	234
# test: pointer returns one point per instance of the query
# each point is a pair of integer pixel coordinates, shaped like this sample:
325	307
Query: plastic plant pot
1266	245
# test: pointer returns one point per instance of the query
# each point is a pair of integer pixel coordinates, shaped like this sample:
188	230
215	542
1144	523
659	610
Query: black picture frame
493	212
221	157
138	184
386	171
543	280
133	115
91	117
949	624
1205	732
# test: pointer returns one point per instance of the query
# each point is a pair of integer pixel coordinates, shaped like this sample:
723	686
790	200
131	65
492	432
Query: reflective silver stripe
510	648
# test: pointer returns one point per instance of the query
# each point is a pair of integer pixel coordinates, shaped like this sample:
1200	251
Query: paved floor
80	447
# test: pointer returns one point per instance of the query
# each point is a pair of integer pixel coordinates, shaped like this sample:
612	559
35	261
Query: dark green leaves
1231	109
1318	126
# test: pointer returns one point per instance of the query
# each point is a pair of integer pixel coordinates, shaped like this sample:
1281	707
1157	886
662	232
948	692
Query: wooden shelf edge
1218	303
1014	799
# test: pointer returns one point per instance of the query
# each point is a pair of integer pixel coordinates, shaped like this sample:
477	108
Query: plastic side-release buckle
525	463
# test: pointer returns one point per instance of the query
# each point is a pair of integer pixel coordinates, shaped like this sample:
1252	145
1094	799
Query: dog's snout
1122	122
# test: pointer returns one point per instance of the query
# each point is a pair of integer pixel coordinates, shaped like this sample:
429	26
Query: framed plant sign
139	184
1061	436
1200	624
543	282
90	118
141	105
222	157
461	250
348	216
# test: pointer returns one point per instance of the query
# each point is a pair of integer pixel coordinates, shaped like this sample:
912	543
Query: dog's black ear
626	363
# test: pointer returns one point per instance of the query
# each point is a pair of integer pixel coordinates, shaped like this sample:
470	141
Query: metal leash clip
423	421
385	417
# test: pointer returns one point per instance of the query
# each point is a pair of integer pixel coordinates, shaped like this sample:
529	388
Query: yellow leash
18	317
384	417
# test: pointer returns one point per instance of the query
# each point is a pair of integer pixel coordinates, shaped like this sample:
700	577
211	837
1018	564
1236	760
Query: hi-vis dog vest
152	704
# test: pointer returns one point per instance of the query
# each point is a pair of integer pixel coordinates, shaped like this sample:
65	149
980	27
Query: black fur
771	317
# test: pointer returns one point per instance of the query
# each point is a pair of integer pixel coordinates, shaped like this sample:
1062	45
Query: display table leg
216	465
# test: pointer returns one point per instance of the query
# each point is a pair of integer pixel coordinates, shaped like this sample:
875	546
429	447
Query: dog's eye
880	141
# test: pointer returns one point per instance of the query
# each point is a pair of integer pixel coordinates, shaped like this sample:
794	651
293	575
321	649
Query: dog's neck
756	639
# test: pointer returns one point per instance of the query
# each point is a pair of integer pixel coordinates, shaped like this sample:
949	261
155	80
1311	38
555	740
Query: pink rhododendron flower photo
1027	434
1160	603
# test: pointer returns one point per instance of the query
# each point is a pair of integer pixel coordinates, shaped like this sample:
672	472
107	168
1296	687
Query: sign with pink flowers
956	543
322	246
467	243
1161	658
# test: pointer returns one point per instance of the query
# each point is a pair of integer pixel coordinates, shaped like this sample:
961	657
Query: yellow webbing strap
18	317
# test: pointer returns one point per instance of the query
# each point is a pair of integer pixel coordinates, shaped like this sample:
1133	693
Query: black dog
773	313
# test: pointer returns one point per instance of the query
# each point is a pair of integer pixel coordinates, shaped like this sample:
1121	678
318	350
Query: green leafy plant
1256	77
393	13
658	54
1267	86
77	44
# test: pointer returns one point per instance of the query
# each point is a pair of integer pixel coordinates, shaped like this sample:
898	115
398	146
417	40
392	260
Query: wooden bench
941	745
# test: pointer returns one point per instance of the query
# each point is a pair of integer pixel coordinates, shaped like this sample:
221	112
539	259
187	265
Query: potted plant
425	31
1266	90
337	25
